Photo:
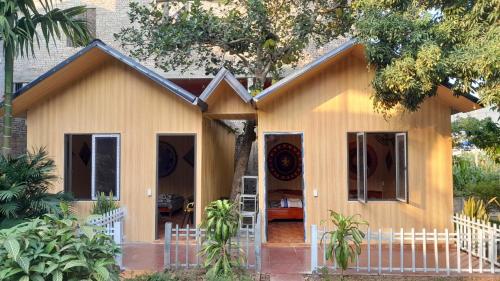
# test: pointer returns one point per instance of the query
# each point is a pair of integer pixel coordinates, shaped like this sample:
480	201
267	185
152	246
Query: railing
183	245
112	225
418	250
478	230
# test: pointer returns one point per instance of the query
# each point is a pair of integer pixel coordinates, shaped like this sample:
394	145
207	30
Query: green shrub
467	176
477	208
344	242
56	248
24	184
221	222
104	204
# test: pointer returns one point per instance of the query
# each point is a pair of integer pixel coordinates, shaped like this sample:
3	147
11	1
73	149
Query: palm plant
25	182
104	204
20	26
477	208
344	243
221	222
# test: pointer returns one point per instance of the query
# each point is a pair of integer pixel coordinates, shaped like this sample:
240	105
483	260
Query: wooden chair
188	214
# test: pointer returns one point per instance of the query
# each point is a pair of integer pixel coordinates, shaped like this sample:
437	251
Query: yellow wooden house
113	125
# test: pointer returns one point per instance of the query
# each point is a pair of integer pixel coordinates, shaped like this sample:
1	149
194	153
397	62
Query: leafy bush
189	275
476	208
56	248
221	222
467	176
344	242
104	204
24	184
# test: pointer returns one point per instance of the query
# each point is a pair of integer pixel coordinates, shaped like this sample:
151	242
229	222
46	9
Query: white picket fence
472	248
112	225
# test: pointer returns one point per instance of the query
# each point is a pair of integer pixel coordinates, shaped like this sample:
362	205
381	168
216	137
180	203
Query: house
112	124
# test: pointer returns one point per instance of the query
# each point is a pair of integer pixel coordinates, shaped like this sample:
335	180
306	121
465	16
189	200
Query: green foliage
255	38
23	25
344	243
470	179
476	208
221	223
418	45
25	182
189	275
104	204
56	248
484	134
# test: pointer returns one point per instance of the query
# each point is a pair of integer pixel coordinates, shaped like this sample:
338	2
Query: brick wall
18	135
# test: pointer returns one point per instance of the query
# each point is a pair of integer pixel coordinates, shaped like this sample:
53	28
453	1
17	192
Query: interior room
380	166
175	182
284	188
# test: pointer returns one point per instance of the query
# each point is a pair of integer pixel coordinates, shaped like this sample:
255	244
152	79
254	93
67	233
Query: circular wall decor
371	160
167	159
284	161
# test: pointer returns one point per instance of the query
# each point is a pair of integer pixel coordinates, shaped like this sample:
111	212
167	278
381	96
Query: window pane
106	165
401	169
361	167
78	164
352	169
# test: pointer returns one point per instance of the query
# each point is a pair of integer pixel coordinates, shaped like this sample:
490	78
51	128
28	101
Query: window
89	16
92	165
377	166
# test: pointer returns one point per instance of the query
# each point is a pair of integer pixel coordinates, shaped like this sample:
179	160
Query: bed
285	204
169	203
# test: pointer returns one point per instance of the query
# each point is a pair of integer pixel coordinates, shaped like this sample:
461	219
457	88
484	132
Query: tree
21	28
252	38
416	46
484	134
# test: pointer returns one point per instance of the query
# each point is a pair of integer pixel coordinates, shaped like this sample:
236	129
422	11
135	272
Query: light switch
315	192
149	193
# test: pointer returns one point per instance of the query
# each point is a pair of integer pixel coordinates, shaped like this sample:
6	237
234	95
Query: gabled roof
225	75
311	66
344	48
109	51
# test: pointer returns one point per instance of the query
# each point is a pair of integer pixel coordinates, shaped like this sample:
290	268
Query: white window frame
362	194
400	185
117	137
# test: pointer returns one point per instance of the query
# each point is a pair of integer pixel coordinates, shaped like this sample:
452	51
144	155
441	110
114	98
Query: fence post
314	247
168	238
257	242
117	237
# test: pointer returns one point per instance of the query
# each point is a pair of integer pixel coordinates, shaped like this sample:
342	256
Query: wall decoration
284	161
167	159
371	160
189	157
85	153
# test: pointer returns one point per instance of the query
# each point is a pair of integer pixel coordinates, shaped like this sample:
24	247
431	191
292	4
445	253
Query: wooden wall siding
116	99
224	103
336	100
218	162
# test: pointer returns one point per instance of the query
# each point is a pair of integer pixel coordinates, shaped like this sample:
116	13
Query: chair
188	214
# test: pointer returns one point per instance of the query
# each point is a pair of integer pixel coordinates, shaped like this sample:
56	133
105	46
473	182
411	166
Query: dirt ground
401	278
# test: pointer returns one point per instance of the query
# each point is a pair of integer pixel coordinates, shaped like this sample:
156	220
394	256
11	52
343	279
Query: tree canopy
254	38
484	134
416	46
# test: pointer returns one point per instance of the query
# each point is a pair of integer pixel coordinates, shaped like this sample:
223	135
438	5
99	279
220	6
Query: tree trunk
7	101
241	155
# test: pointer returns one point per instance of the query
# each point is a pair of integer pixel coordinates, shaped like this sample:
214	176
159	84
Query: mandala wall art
167	159
284	161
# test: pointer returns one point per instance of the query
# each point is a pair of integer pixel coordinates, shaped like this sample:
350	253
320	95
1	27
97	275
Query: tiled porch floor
285	232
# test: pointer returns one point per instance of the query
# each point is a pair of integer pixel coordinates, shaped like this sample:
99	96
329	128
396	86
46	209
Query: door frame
284	133
195	167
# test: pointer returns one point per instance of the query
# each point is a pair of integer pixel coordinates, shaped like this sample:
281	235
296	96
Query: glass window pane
361	167
106	165
401	168
78	165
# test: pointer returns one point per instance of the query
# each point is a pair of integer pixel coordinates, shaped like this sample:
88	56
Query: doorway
175	182
284	187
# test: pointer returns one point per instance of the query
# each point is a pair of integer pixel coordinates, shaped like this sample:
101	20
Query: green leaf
12	248
74	263
24	263
57	276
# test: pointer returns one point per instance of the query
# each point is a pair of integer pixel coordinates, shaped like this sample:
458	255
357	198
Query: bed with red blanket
285	204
